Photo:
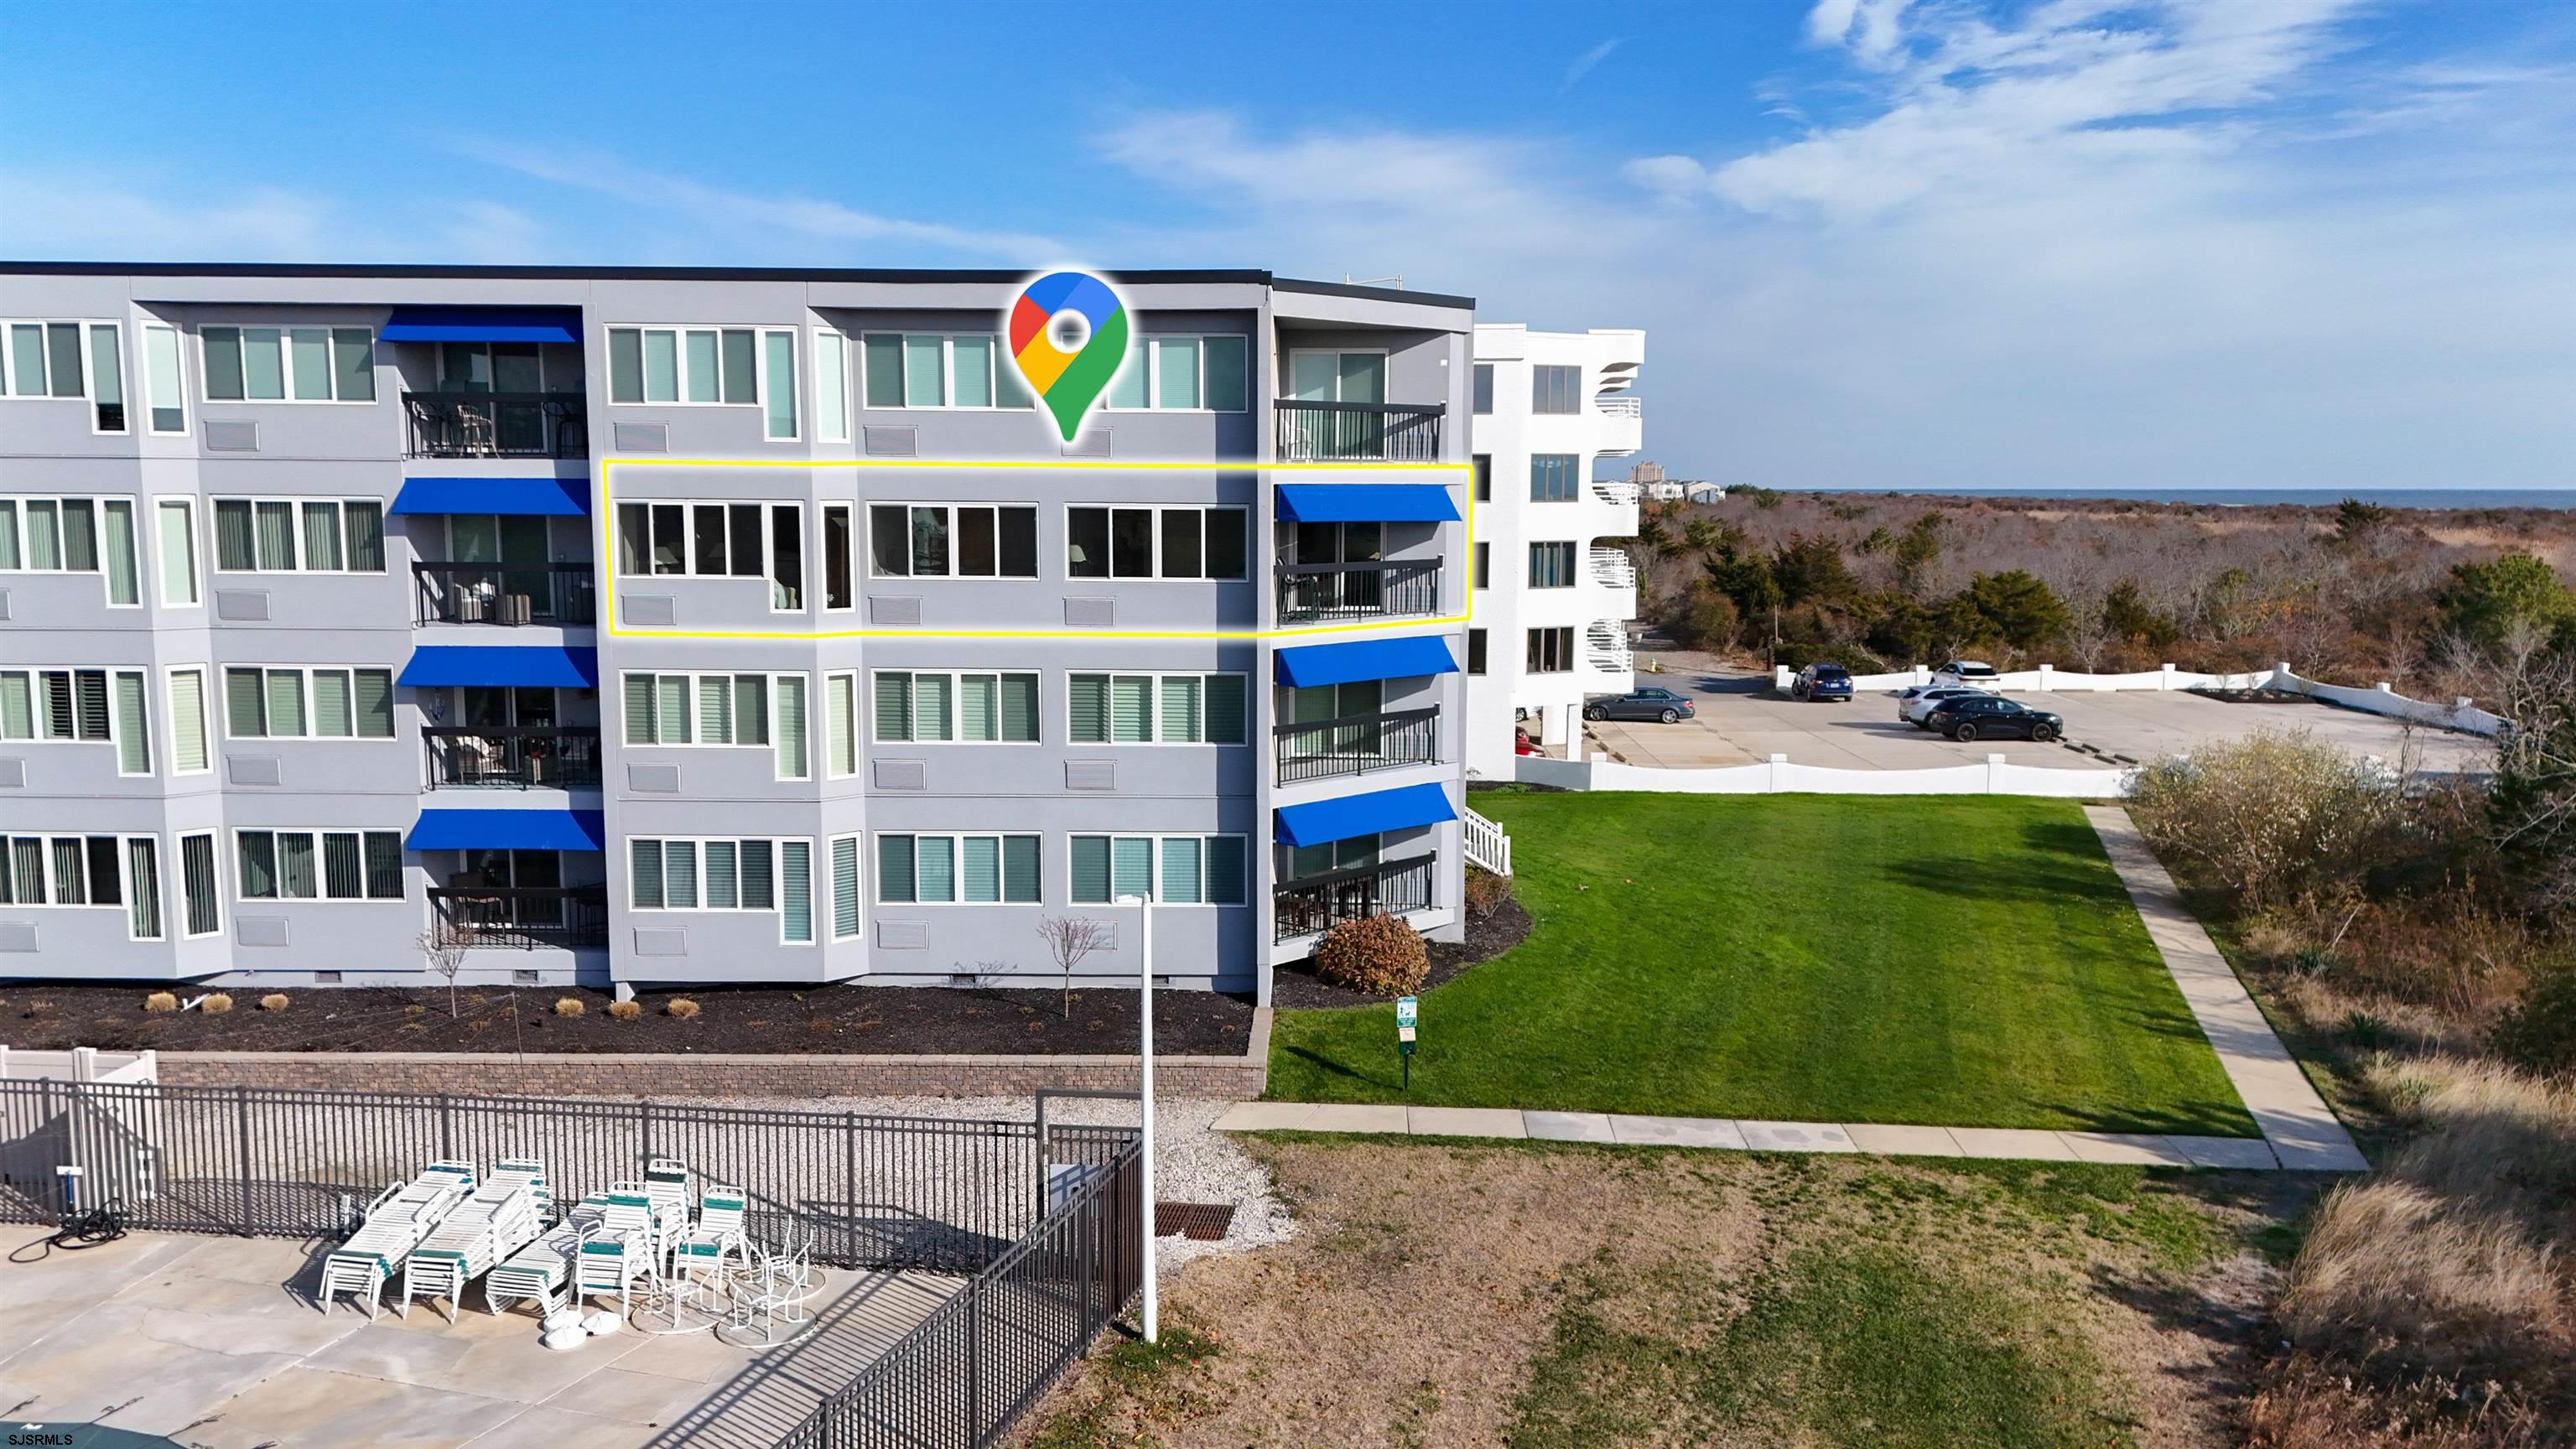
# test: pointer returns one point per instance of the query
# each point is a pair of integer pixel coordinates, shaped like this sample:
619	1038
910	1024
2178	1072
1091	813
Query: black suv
1992	717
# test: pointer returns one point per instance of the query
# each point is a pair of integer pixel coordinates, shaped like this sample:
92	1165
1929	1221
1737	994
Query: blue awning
1403	658
508	830
1326	821
545	497
537	665
483	324
1366	502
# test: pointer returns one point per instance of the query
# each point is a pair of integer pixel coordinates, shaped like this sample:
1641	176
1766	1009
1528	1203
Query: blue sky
2190	243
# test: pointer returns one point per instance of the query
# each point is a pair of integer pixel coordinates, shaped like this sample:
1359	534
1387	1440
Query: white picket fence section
80	1064
2460	714
1486	844
1996	776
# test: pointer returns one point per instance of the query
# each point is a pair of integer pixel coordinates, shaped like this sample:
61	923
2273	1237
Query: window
176	529
845	887
698	709
300	535
1143	709
1156	543
1483	400
1350	853
1556	389
1552	478
714	540
293	703
1551	651
701	874
1177	870
289	364
1484	477
197	884
143	887
692	366
796	892
161	378
1551	565
74	535
323	865
188	750
940	370
930	870
832	386
511	367
133	722
778	385
1350	377
85	870
1165	372
50	360
952	540
839	590
919	707
786	557
1483	556
78	705
1475	651
793	760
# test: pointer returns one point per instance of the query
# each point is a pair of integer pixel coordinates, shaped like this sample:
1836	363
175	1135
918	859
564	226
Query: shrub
625	1010
216	1005
161	1001
2269	818
273	1001
568	1006
1486	892
2539	1029
1380	955
681	1007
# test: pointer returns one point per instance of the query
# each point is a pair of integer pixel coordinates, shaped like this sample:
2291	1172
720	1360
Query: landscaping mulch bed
1296	985
846	1019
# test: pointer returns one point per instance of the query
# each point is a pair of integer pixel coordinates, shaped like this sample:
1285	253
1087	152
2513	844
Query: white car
1975	672
1916	701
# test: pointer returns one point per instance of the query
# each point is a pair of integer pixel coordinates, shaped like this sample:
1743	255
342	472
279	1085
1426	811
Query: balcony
1334	432
1606	648
1623	426
1618	494
459	593
520	918
497	425
533	758
1318	903
1356	745
1375	590
1612	568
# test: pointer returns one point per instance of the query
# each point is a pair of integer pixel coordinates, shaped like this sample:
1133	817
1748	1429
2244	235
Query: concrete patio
216	1343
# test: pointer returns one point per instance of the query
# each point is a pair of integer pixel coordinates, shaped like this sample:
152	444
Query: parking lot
1742	721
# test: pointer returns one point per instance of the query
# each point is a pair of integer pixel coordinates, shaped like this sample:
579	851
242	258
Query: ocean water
2558	498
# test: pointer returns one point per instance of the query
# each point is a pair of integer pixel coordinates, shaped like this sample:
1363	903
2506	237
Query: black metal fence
519	918
1380	588
1316	904
1329	432
519	757
460	593
498	424
1356	744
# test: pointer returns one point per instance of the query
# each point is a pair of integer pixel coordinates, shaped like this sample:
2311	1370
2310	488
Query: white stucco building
1552	595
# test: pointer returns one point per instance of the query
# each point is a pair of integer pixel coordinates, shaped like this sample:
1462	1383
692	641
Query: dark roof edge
414	271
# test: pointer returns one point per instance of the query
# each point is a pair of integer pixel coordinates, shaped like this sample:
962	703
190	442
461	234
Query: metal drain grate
1205	1222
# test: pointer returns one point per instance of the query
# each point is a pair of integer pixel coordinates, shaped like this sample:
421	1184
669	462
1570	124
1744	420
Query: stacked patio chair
501	1217
623	1247
397	1222
544	1270
718	1237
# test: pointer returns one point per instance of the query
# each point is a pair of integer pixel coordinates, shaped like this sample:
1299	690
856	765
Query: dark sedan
1991	717
1657	704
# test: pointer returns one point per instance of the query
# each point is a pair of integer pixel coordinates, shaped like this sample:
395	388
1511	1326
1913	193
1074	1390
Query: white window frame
124	875
765	385
689	538
1154	892
187	504
1158	676
88	393
321	870
152	401
841	686
1151	357
947	373
955	714
207	702
828	924
384	533
872	869
680	372
865	535
697	682
854	565
115	736
698	864
286	364
1557	548
831	424
221	701
17	503
177	868
1157	576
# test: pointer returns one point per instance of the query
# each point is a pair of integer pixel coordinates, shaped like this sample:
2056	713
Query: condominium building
1553	593
698	626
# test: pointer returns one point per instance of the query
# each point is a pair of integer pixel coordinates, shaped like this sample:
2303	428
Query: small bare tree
1068	940
445	955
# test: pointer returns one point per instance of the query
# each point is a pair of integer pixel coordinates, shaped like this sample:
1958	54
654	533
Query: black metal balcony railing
1324	749
1332	432
1308	592
497	424
520	918
1316	904
528	758
457	593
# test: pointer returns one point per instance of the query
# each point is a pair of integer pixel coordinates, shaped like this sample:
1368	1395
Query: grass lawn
1961	961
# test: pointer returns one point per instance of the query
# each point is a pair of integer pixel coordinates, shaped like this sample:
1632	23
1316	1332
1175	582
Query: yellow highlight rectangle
608	546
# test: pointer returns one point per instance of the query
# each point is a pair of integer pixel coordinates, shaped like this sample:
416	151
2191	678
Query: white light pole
1145	977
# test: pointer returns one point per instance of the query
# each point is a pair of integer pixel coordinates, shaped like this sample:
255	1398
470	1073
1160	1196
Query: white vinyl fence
1996	776
2460	714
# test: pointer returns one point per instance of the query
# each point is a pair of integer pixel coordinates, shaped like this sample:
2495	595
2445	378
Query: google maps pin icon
1081	310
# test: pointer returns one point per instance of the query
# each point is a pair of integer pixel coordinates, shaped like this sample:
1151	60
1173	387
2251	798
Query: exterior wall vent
886	442
13	774
1091	774
17	936
643	437
662	941
1093	444
903	935
897	613
231	435
653	779
252	769
646	608
902	775
259	930
242	606
326	978
4	605
1090	613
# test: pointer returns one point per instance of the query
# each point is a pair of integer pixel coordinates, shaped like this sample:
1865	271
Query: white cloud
47	216
1584	63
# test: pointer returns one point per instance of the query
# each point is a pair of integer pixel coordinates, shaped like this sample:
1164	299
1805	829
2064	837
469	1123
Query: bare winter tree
444	953
1069	939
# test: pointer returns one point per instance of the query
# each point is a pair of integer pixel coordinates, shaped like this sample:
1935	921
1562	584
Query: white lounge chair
499	1219
397	1222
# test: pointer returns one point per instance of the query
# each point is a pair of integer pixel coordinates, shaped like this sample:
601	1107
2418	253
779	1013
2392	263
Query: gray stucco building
699	626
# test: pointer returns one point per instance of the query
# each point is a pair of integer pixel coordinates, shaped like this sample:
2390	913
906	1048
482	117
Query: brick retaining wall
693	1074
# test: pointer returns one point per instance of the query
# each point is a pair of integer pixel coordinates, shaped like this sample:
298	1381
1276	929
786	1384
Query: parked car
1652	702
1822	681
1918	700
1974	672
1983	716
